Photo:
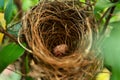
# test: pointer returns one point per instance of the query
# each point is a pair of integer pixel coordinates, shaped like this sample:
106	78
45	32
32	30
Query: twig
7	34
109	16
19	6
18	40
103	33
16	72
108	19
104	14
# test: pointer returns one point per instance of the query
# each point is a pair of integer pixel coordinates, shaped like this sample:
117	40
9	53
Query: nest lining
60	37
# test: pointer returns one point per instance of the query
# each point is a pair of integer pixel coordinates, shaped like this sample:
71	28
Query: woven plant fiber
61	36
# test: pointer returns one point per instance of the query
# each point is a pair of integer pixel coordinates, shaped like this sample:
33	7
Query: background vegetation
107	13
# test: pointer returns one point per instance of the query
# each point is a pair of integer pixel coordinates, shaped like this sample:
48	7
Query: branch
19	6
104	14
8	35
102	34
108	19
109	16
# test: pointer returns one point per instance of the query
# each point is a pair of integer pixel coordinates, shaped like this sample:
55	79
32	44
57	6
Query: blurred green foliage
111	44
1	5
10	11
9	54
111	49
12	76
14	29
26	4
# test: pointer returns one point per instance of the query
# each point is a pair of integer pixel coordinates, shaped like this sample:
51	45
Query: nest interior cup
61	35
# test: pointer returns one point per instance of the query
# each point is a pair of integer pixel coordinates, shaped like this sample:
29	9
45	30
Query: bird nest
61	36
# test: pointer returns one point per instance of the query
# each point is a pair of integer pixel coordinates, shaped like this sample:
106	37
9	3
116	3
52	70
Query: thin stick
18	39
108	19
100	20
8	35
16	72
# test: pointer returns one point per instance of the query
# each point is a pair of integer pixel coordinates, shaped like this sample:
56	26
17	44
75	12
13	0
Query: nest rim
47	56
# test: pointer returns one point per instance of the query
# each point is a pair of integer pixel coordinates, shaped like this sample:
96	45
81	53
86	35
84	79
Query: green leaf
28	78
26	4
1	5
34	2
102	5
9	11
9	54
111	49
116	15
14	29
